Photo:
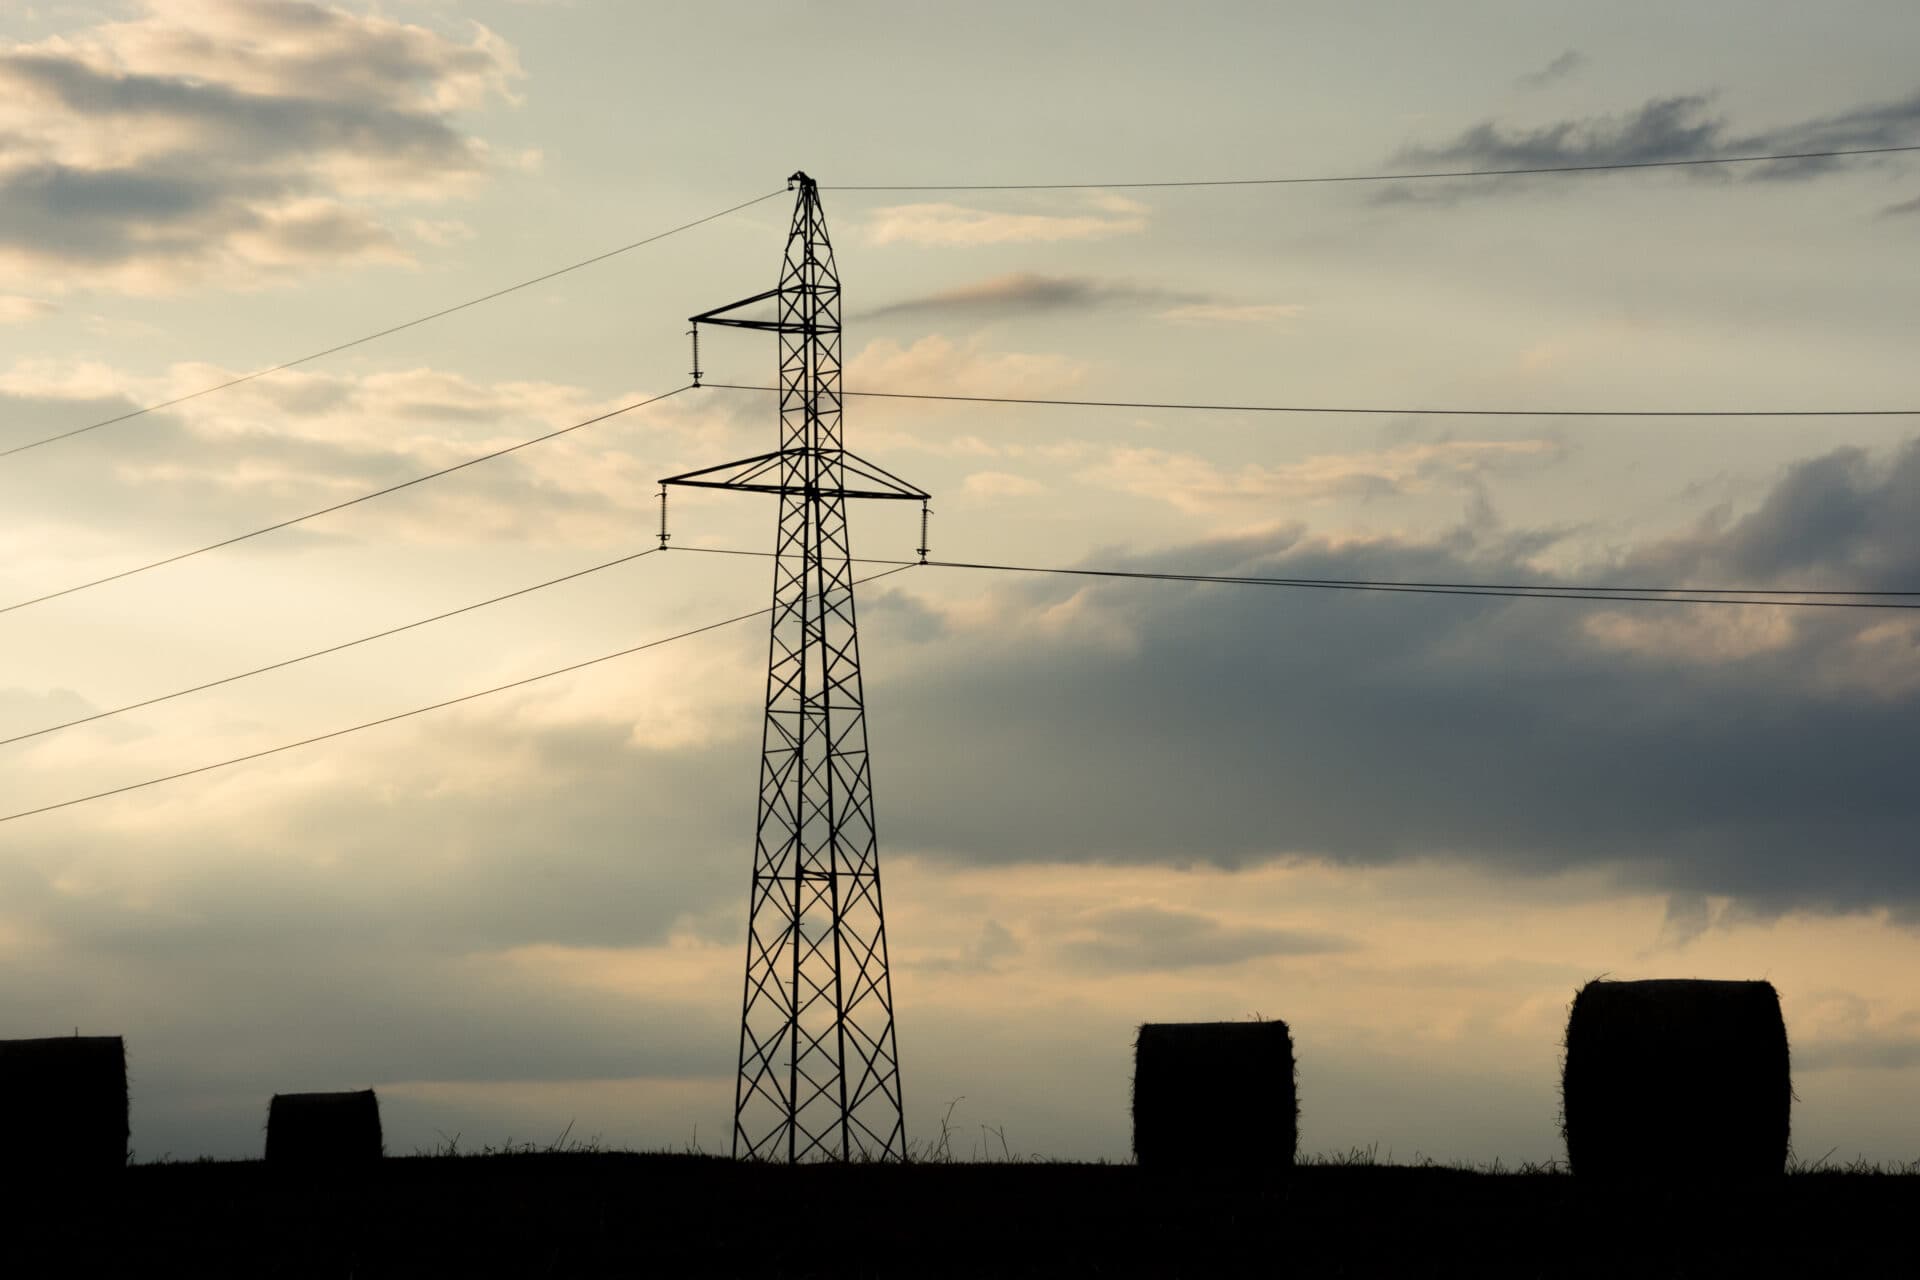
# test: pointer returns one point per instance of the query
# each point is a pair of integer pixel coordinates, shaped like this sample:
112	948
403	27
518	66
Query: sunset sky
1409	826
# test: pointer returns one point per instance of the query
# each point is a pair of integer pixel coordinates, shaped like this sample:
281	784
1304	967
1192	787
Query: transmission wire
1519	590
1511	593
392	329
321	653
1378	177
404	715
1770	595
1346	409
340	506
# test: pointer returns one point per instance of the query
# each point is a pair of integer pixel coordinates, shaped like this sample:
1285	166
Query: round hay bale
63	1107
319	1131
1215	1097
1676	1078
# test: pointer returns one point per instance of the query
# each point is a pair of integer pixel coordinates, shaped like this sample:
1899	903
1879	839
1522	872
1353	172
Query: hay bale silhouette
63	1106
1215	1096
323	1131
1676	1078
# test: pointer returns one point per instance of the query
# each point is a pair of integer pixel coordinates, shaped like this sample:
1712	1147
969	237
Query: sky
1411	827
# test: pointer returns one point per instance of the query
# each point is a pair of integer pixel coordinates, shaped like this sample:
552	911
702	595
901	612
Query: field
585	1213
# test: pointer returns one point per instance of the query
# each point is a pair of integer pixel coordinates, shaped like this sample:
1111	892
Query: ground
599	1213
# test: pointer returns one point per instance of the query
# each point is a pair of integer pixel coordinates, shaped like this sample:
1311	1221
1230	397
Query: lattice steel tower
819	1070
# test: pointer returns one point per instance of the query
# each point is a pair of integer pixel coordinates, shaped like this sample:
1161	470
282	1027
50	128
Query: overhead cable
402	715
1386	584
340	506
387	332
1437	589
321	653
1414	176
1350	409
1765	595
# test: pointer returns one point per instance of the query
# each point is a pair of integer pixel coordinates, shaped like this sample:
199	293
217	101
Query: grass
566	1144
575	1206
1369	1157
982	1147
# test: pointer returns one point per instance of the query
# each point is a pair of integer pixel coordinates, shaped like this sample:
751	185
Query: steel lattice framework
819	1069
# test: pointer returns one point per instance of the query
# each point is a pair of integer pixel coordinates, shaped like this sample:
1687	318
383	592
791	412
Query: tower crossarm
781	472
792	319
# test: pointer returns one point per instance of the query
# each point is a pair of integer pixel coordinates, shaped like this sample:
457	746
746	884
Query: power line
1541	593
403	715
387	332
340	506
1348	409
1385	584
1771	595
1508	591
321	653
1378	177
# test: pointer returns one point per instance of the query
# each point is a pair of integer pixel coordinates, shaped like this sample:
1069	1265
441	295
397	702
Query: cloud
1195	484
1189	722
947	225
1142	938
1904	207
1024	293
937	363
1677	127
1559	69
15	309
1028	293
990	486
232	139
1660	129
1688	916
1873	1053
435	942
441	231
982	954
276	447
1233	313
547	888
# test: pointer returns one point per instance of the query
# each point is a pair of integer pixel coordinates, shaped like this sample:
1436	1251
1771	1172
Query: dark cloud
149	152
365	934
1679	127
591	847
1905	206
1881	1053
234	125
1687	917
1025	293
1875	124
994	944
354	935
1661	129
1142	939
1695	749
1559	69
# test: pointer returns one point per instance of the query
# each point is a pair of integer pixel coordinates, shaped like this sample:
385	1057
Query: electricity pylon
819	1070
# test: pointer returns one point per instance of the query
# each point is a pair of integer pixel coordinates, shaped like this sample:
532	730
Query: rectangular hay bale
1215	1096
63	1106
1676	1078
323	1130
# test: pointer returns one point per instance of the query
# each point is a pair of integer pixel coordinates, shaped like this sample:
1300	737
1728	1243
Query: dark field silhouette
1686	1076
1677	1103
600	1214
63	1107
